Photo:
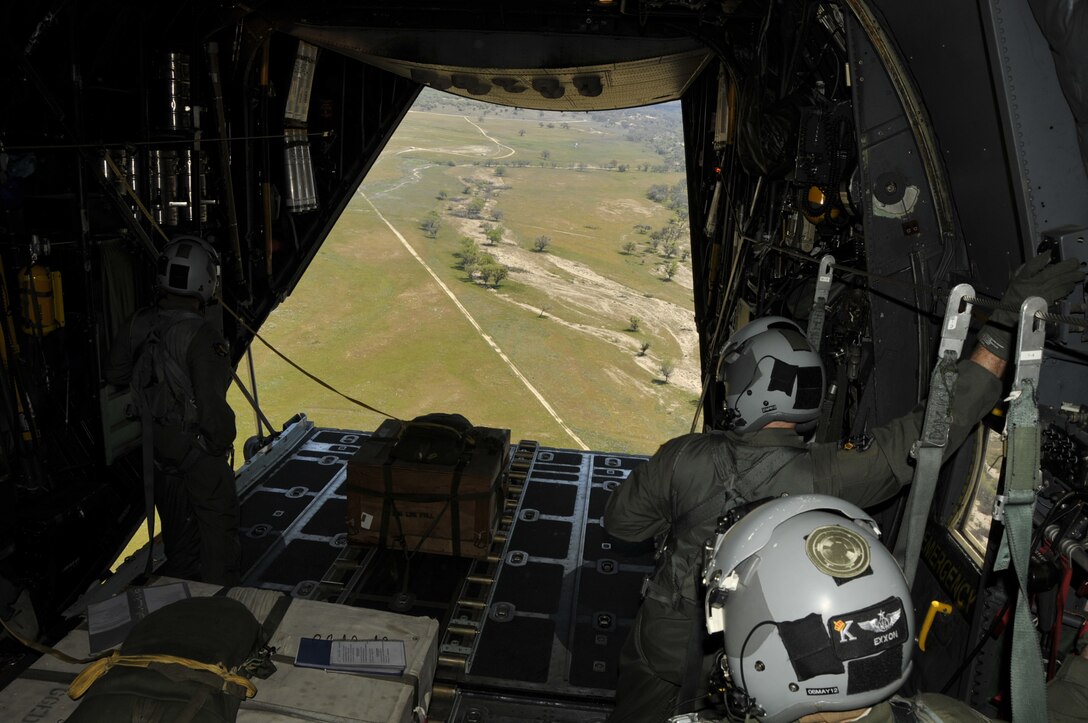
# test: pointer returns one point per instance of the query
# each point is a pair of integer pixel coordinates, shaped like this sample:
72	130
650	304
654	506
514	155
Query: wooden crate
413	505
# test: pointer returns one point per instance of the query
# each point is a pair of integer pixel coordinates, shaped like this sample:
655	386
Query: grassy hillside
379	323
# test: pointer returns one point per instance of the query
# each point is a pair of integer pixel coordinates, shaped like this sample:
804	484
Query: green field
372	321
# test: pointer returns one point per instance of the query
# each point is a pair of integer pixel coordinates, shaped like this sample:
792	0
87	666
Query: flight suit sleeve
210	373
871	475
1068	692
641	507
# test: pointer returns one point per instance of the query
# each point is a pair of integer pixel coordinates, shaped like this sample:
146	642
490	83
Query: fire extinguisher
41	300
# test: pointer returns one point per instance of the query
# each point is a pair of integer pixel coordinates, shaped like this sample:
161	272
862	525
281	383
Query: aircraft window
971	524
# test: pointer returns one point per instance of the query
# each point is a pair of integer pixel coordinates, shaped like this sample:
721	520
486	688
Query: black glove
1035	278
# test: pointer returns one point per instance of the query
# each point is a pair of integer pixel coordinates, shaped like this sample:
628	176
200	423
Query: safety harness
730	488
162	392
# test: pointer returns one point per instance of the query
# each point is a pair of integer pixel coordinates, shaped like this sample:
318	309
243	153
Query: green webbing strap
928	451
815	331
1015	509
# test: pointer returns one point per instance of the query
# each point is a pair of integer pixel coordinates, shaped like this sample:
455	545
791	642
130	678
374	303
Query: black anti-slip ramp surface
298	560
292	522
531	588
272	509
519	649
305	473
329	520
566	593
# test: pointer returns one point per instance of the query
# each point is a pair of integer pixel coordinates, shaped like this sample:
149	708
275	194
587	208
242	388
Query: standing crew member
178	367
773	382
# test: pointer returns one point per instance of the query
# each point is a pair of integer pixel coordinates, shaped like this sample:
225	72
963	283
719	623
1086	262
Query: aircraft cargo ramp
531	631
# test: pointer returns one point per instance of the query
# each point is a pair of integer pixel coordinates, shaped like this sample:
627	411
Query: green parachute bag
178	665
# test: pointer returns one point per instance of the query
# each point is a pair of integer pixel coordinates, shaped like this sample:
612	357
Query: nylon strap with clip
815	331
929	449
1016	507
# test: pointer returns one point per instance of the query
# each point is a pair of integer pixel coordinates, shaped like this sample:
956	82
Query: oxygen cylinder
42	303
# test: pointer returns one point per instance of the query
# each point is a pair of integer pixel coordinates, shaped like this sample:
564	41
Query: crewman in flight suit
178	366
773	382
840	650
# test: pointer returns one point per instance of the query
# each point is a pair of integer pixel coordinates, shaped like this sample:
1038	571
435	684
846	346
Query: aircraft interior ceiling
848	164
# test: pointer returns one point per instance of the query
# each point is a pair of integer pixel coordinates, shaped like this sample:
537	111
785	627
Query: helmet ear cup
770	373
188	266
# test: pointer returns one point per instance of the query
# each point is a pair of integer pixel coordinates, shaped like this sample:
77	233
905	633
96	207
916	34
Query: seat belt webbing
815	331
930	447
1016	507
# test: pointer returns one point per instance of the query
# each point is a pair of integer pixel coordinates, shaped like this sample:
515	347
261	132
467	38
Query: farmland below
527	270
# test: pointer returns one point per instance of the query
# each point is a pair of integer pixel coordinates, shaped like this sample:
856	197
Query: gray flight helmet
188	266
816	612
770	373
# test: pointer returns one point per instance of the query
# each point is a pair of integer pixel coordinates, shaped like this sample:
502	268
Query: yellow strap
97	669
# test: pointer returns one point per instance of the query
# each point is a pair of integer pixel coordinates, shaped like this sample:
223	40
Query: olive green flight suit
1067	695
194	482
685	481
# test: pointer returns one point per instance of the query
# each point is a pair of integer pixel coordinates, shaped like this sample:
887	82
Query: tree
475	207
545	154
643	347
467	254
541	243
667	368
500	171
670	269
670	248
496	274
430	224
629	247
441	195
521	131
658	192
494	235
635	321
